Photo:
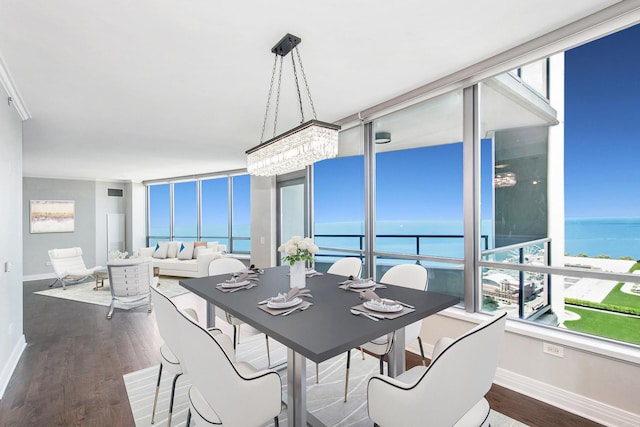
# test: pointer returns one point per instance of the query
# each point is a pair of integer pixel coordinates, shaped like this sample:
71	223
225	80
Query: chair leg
111	307
155	399
317	373
173	394
362	352
381	365
266	337
276	422
346	379
235	334
424	362
188	418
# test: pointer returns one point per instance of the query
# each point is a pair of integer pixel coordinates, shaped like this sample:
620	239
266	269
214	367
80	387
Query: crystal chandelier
301	146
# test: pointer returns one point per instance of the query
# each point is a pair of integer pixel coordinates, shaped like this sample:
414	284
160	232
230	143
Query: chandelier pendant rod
266	113
295	75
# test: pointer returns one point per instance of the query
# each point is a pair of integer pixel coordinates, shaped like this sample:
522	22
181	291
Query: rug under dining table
324	400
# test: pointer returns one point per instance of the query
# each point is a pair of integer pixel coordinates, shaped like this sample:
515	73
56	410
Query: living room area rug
324	400
84	292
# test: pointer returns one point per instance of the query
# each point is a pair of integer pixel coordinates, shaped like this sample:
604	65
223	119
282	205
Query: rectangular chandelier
301	146
295	149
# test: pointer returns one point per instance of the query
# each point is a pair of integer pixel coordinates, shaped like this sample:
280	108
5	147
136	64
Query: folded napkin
351	280
293	293
241	277
369	295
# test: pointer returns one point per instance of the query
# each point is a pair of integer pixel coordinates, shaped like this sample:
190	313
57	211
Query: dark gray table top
327	328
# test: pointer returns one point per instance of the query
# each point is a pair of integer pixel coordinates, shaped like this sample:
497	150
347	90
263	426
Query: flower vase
297	275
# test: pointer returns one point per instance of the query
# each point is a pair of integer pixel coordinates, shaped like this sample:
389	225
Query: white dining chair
349	266
171	358
450	392
228	265
130	281
409	276
224	391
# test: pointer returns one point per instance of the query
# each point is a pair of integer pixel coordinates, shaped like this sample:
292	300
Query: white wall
12	340
136	216
106	204
263	221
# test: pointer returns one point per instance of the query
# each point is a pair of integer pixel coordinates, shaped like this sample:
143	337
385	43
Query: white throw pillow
212	245
186	250
199	251
174	247
161	250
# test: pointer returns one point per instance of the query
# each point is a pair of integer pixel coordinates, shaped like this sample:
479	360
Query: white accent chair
167	319
69	266
409	276
349	266
130	281
450	392
224	391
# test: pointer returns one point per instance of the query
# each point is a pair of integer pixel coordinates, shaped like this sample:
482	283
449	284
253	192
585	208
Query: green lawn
617	297
614	326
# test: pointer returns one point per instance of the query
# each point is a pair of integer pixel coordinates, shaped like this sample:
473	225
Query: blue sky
602	132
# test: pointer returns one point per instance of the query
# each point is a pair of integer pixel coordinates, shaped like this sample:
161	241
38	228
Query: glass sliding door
292	208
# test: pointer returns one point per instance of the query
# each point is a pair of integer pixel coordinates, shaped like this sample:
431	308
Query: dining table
324	330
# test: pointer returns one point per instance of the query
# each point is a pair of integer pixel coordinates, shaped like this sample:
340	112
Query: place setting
239	281
286	304
355	284
376	308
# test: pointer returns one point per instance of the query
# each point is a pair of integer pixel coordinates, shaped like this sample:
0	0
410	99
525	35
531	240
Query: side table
100	276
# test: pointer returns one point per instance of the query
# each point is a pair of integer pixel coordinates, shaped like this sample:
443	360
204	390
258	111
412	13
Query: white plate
229	285
362	285
382	307
286	304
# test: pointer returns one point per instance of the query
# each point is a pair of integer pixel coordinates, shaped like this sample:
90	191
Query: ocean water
615	237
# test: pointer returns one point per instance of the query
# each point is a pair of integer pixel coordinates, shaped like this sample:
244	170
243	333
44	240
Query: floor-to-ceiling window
566	225
339	202
208	209
419	191
241	213
215	209
159	223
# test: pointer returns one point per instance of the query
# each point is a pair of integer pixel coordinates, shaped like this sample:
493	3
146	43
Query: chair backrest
65	260
167	319
236	399
130	277
350	266
455	381
225	265
409	276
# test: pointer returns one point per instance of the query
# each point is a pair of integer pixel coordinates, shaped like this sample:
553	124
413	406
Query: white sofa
166	256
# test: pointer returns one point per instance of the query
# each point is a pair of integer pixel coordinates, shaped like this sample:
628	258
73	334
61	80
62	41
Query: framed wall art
52	216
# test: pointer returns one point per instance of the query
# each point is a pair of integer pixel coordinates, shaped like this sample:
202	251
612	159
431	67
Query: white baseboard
10	366
32	277
566	400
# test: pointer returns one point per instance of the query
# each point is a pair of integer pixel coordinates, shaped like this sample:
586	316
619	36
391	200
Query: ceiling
124	90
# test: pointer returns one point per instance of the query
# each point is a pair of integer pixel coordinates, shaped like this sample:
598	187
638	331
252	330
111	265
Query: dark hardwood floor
70	374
